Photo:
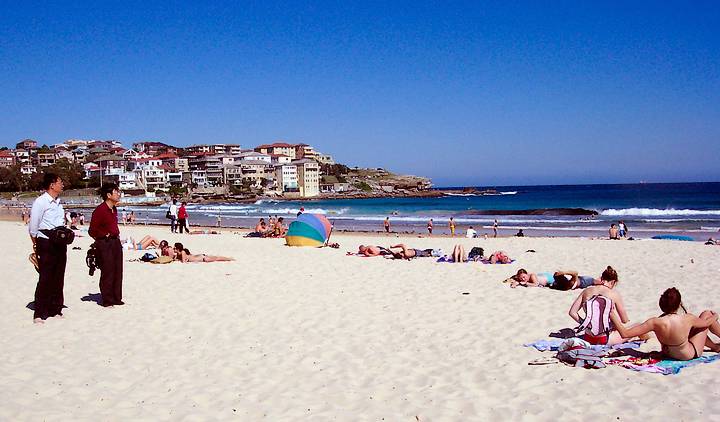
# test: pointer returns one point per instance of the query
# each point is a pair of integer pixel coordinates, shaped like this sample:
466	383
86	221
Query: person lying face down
683	336
408	253
182	254
368	250
576	281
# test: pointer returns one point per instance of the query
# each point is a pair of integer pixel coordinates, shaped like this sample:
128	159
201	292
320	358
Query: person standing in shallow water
495	228
386	224
452	227
47	214
104	229
430	227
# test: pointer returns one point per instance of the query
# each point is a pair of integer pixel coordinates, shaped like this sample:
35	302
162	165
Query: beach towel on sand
161	260
555	343
487	261
664	367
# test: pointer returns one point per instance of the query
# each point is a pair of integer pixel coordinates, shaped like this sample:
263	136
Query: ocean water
647	209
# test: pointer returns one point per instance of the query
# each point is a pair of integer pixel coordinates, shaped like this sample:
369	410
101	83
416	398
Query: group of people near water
470	232
618	231
683	335
274	227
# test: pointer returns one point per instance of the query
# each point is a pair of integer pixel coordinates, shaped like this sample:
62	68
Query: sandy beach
312	334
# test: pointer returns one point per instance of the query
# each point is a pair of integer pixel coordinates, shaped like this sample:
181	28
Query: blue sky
467	93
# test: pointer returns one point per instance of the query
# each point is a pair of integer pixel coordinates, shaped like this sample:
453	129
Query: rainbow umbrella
308	230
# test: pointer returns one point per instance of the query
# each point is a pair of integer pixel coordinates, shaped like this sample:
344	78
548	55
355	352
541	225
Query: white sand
310	334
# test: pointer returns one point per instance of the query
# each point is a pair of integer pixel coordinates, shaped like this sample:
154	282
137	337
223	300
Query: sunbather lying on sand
682	336
575	281
526	279
182	254
146	242
368	250
499	257
409	253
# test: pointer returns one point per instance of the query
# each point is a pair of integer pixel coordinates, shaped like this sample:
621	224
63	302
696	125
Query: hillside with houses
221	171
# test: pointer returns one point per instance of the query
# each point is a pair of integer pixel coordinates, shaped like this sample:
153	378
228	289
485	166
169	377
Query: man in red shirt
182	218
104	229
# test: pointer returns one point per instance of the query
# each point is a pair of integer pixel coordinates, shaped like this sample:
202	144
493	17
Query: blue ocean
563	210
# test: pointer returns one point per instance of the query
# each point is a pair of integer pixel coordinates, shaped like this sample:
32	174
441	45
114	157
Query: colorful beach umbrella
308	230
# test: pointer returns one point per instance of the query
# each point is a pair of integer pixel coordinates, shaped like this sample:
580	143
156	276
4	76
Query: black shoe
119	303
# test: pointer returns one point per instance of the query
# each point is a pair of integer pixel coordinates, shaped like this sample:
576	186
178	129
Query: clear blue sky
486	93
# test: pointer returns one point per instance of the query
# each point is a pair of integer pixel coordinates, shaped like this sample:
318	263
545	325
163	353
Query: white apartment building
286	177
254	156
46	159
308	177
128	180
277	148
152	177
214	149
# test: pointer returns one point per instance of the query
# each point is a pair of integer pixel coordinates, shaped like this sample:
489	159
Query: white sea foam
654	212
514	192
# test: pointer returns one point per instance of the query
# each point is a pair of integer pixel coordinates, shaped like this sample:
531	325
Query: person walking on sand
452	227
47	214
430	227
495	228
182	217
387	224
172	215
104	229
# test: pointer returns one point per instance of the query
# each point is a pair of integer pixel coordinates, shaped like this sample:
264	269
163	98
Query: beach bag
60	235
168	215
91	260
582	358
597	316
475	252
149	256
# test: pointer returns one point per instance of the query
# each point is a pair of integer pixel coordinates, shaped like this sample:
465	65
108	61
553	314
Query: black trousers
182	223
110	257
49	297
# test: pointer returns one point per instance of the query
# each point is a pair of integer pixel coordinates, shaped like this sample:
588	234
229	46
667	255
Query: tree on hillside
72	173
11	179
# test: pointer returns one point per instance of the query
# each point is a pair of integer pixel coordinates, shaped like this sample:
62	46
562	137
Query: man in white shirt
173	216
471	233
46	214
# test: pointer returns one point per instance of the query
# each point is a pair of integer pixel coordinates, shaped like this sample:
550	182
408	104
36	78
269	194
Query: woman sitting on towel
683	336
609	280
182	254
